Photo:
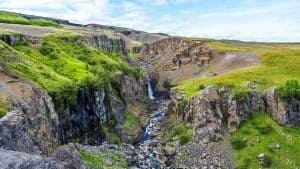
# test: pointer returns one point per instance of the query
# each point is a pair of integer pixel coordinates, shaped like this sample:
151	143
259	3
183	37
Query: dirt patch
29	30
235	60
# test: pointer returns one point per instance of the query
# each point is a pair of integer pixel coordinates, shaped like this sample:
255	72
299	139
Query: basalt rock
64	157
106	43
83	120
206	111
175	59
284	111
203	114
31	125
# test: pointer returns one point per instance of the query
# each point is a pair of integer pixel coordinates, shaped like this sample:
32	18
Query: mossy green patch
131	121
110	136
4	104
96	160
260	134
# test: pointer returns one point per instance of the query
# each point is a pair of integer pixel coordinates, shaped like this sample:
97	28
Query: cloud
76	10
248	20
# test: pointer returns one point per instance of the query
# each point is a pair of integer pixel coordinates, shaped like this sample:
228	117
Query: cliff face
175	59
34	125
207	111
31	123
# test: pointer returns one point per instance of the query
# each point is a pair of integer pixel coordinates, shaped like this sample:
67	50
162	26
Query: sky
249	20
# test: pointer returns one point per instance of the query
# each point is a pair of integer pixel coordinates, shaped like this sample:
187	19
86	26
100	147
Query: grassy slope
4	104
279	63
63	60
96	160
263	134
13	18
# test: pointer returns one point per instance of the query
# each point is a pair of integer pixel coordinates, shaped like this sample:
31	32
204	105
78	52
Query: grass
261	134
63	64
131	121
96	160
110	136
133	54
279	63
14	18
4	105
176	130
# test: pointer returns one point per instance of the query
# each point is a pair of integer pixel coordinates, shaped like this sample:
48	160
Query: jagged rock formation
64	157
174	59
31	125
33	128
207	111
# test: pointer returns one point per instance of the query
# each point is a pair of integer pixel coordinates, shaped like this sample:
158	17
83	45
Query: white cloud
76	10
279	21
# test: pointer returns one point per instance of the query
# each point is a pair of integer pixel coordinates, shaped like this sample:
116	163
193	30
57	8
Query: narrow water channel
152	127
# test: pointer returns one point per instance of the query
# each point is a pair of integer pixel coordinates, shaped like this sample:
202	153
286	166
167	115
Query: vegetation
4	105
110	136
14	18
279	63
133	54
290	90
183	132
131	121
260	134
241	96
96	159
63	64
177	130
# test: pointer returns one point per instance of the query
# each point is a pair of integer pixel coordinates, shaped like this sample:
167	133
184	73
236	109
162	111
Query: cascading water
152	127
150	91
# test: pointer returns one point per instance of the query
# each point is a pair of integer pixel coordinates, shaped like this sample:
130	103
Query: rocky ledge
207	111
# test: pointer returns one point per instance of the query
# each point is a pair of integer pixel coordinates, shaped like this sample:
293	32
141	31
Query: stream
152	127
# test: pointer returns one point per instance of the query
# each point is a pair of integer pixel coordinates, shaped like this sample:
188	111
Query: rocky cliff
175	59
33	125
209	111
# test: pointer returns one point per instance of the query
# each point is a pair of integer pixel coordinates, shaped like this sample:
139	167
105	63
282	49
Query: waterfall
150	91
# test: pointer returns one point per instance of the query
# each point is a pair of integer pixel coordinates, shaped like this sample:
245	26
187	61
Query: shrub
290	90
66	95
241	96
266	129
238	144
131	121
91	83
183	132
201	86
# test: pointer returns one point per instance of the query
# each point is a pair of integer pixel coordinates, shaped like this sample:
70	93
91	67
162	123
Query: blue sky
251	20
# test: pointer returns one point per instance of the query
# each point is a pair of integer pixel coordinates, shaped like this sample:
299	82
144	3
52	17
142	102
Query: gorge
96	96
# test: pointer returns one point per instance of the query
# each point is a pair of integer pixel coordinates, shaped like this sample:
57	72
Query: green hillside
278	63
63	63
14	18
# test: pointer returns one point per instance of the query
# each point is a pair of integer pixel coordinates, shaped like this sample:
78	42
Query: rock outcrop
31	125
207	111
64	157
203	114
176	59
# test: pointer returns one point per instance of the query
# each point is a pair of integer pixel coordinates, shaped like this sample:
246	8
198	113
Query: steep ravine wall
208	111
34	125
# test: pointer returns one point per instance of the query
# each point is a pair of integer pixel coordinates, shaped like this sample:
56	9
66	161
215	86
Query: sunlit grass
278	64
261	134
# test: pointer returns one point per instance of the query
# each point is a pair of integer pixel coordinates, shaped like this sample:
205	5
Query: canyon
96	96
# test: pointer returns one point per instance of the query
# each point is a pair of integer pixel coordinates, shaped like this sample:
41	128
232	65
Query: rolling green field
13	18
278	63
261	134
